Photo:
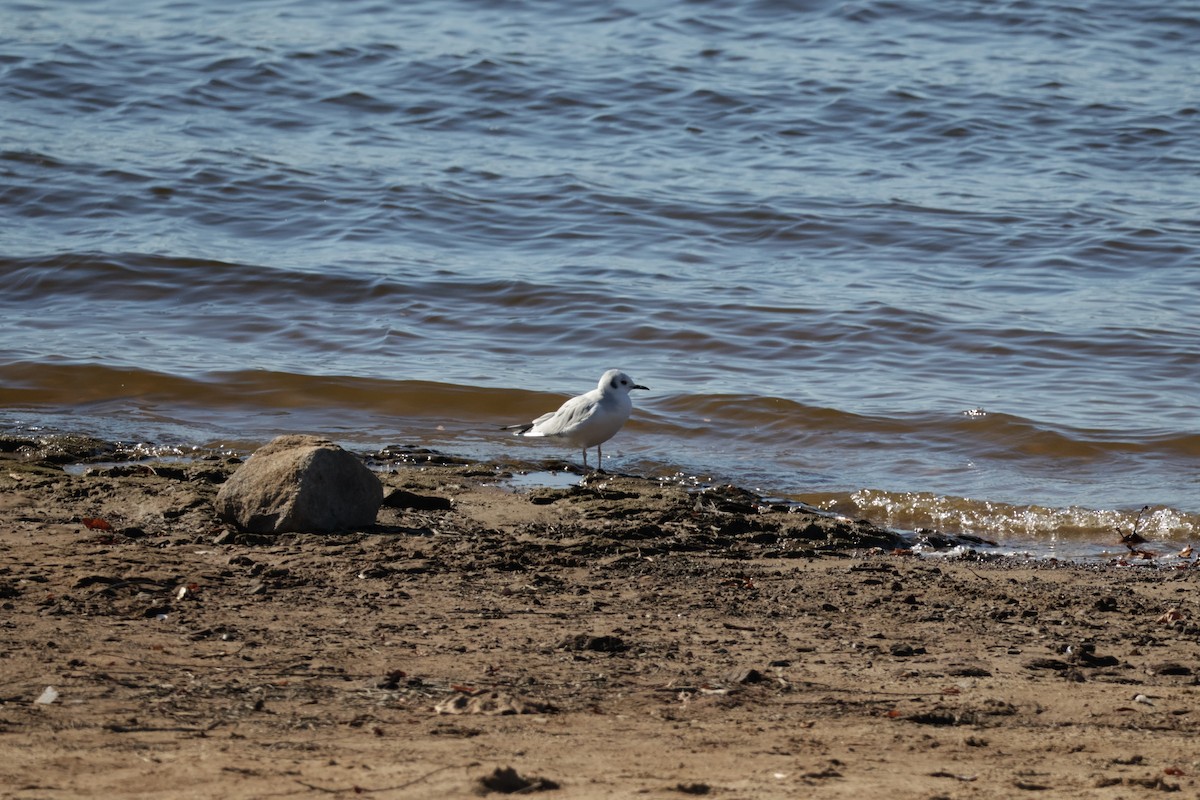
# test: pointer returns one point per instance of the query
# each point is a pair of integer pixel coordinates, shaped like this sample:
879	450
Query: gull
588	420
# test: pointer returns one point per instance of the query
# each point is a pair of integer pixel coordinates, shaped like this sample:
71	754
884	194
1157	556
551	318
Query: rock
508	781
1055	664
417	502
492	703
744	676
300	483
1169	668
599	644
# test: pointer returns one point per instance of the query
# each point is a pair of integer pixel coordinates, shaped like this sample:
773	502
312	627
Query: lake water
937	265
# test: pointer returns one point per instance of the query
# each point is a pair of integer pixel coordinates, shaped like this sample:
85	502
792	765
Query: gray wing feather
525	426
572	412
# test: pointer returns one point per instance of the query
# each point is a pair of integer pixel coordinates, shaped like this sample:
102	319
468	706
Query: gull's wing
570	414
524	427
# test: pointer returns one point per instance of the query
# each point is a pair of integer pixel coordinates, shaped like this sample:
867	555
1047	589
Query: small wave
1030	524
26	384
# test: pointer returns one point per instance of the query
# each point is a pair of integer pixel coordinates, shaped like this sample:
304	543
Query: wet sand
617	639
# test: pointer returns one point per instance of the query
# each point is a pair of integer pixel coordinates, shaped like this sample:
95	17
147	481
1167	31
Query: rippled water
937	266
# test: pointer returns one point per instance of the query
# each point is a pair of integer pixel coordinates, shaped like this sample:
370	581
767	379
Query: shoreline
1069	512
79	452
616	638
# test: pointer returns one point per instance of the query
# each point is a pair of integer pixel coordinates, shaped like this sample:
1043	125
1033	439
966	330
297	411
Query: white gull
588	420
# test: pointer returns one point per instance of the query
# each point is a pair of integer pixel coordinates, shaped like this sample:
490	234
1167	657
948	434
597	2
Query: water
938	268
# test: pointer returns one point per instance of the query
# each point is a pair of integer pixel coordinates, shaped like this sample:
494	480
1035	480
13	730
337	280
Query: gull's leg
585	459
599	459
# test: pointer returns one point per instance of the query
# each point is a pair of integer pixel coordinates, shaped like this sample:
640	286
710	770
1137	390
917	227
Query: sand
623	638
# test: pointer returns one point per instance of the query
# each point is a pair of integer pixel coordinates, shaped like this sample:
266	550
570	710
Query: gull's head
615	381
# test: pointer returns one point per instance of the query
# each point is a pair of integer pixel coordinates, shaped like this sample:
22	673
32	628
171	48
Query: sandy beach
619	638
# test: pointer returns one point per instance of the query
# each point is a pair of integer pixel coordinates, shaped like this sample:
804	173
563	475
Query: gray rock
300	483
